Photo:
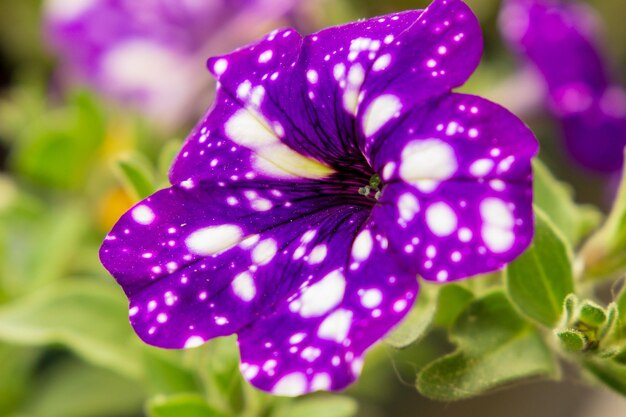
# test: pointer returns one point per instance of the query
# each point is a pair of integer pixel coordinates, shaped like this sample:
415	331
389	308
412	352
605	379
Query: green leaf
166	372
319	405
609	373
591	314
73	389
572	340
89	318
181	405
604	254
416	323
539	280
453	299
555	199
166	158
495	347
59	148
135	172
18	365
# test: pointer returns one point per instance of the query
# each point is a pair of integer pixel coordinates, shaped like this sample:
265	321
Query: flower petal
458	188
234	143
205	262
316	339
315	87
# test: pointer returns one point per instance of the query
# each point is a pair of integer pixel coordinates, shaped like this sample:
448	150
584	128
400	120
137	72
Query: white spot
261	204
133	311
312	76
356	76
388	170
249	242
162	318
266	56
441	219
336	326
310	353
243	286
339	71
408	206
318	254
465	235
291	385
264	252
249	371
400	306
498	223
194	341
425	162
143	215
382	63
481	167
220	66
214	239
323	296
220	321
362	246
247	130
321	382
371	298
297	338
380	112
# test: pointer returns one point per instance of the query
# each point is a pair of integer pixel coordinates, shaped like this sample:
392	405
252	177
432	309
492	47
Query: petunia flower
330	172
561	41
150	54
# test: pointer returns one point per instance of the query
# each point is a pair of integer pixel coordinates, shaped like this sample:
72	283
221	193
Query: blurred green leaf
166	373
608	372
539	280
495	347
18	365
219	368
73	389
166	158
60	148
38	248
417	322
181	405
555	199
319	405
605	252
89	318
135	172
452	300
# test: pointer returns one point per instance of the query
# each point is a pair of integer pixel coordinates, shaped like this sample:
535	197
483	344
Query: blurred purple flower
331	170
151	54
561	40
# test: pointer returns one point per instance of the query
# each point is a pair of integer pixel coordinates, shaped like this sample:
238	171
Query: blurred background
96	97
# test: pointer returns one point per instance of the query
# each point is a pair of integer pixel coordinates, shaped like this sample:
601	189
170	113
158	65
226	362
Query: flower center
373	189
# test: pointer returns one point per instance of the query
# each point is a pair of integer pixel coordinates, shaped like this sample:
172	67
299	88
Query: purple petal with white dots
561	42
316	339
225	255
458	189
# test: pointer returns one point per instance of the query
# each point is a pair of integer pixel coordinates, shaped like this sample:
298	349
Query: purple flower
331	170
150	54
560	40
